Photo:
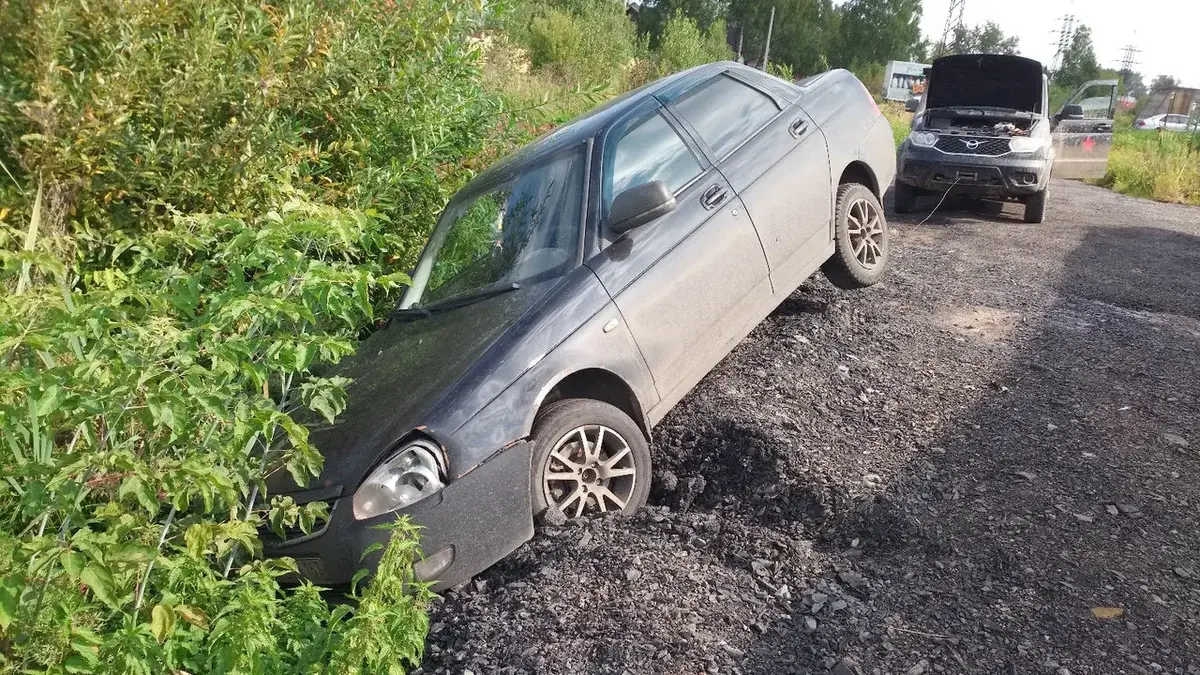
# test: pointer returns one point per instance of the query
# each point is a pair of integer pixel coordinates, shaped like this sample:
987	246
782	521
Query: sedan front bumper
1012	175
466	528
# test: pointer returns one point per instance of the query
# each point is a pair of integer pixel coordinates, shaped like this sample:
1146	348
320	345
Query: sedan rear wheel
861	242
589	458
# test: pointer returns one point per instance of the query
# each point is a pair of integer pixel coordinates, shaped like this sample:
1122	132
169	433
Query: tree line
810	36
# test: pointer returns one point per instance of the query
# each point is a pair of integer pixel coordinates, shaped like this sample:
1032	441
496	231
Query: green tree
803	33
653	15
986	38
876	31
1164	82
1132	83
1078	61
684	45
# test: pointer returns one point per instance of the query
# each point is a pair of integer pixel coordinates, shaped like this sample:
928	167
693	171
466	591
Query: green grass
1162	166
900	120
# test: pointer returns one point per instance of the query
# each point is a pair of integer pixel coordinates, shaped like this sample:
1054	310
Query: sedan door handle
713	197
798	128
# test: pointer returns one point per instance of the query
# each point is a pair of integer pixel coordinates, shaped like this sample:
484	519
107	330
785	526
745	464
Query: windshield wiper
414	313
470	298
410	314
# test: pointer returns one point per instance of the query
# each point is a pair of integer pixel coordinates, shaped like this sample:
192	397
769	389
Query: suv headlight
923	139
1026	144
407	477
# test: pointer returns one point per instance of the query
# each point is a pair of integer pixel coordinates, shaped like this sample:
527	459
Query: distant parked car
570	296
1167	122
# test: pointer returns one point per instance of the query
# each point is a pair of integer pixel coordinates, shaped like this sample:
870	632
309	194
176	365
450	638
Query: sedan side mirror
1071	111
640	205
911	104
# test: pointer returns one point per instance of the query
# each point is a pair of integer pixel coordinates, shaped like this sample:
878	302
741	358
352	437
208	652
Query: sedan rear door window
725	112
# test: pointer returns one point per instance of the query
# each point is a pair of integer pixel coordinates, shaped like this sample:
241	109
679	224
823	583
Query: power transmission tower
954	20
1064	41
1128	61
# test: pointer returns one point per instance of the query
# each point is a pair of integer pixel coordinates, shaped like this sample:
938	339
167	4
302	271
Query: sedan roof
591	123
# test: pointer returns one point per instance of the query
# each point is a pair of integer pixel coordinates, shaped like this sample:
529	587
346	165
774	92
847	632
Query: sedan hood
398	375
985	81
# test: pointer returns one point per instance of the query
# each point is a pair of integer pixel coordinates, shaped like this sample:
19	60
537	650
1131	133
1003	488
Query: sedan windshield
520	232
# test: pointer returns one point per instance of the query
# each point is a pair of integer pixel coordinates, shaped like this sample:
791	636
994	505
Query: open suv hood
985	80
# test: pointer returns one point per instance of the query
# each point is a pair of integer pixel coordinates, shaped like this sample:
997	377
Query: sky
1166	31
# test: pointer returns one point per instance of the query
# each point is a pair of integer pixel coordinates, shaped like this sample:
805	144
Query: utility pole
954	21
741	36
767	49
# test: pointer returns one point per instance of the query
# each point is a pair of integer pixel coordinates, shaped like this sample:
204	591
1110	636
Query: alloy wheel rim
864	224
591	468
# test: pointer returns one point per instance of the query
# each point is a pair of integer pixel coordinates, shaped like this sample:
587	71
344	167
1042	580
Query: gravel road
989	463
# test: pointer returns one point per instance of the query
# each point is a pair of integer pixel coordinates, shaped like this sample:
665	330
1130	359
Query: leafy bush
555	37
781	70
1163	166
204	203
577	41
684	45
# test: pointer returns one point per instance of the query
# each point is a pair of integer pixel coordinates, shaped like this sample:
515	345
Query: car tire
855	264
615	478
904	197
1035	207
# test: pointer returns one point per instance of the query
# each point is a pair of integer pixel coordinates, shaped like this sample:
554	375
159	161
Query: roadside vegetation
201	204
1156	165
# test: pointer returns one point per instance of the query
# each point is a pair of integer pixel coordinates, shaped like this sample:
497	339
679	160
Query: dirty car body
551	299
983	129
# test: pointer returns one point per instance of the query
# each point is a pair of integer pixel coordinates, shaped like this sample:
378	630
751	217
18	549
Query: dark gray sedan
574	293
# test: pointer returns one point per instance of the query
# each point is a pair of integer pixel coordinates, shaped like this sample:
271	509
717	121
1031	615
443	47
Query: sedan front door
689	283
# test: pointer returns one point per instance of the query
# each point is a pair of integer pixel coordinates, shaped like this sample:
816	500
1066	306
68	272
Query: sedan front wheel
588	458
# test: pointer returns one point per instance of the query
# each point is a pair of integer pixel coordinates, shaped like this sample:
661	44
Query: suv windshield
522	231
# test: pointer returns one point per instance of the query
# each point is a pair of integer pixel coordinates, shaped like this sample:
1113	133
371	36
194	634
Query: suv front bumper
1012	175
466	528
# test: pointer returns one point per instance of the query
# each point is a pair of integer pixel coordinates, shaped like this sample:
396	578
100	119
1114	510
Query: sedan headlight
1026	144
923	139
405	478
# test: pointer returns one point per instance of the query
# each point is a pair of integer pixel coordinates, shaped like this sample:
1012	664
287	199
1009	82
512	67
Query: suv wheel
1035	207
588	457
861	239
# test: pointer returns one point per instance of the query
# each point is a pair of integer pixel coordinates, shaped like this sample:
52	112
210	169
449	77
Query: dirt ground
989	463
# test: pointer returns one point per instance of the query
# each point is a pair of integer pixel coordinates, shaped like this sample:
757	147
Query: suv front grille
969	145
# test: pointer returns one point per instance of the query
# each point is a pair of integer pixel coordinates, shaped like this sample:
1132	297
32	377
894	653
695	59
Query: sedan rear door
689	283
776	159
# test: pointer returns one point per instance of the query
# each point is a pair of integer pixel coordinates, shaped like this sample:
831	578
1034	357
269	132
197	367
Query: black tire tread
1035	207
